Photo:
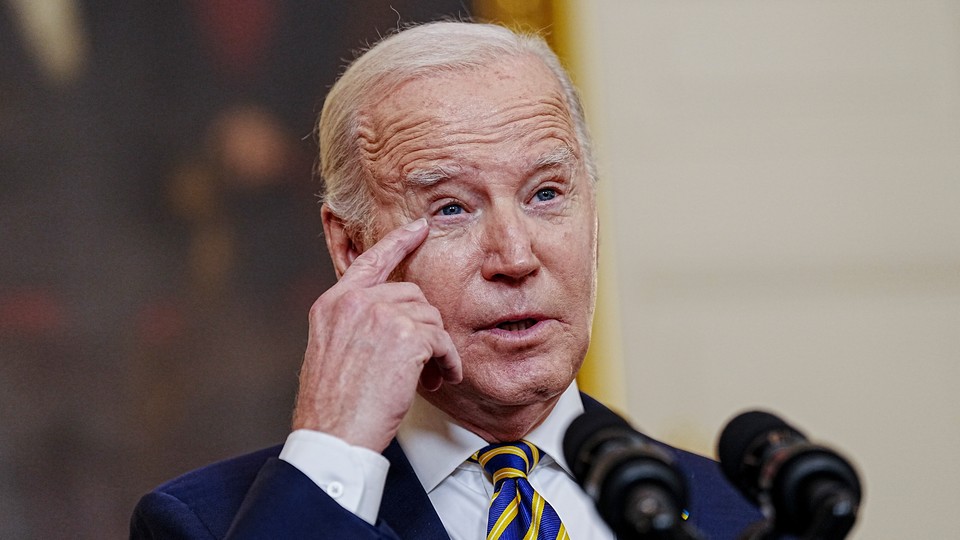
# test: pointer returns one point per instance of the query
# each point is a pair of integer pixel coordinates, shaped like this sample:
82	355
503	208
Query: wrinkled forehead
442	115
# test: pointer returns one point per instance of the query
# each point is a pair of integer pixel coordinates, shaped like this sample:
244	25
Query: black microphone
804	489
634	483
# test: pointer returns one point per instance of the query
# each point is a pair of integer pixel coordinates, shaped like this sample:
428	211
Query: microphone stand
835	511
760	530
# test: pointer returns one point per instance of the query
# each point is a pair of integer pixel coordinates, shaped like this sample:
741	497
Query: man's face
490	158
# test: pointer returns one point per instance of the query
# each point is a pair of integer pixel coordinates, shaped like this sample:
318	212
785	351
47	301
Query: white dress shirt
439	450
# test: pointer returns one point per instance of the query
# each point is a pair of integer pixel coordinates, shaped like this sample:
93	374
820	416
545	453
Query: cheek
570	256
443	267
571	248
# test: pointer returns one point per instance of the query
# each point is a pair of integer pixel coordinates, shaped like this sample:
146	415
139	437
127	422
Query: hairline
377	83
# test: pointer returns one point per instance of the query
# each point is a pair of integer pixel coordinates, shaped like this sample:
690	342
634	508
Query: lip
541	324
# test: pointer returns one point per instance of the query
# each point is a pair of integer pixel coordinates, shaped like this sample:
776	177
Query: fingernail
416	225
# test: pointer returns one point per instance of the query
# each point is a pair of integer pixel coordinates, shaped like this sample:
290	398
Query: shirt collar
436	445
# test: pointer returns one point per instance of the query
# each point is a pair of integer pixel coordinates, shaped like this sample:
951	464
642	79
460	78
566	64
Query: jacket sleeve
161	515
281	503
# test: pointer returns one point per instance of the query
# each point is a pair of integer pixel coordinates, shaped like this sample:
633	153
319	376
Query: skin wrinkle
560	160
406	162
391	192
549	166
359	218
371	144
400	147
397	139
509	252
457	135
557	162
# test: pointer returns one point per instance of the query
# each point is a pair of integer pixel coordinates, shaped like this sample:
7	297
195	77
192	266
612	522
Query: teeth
515	326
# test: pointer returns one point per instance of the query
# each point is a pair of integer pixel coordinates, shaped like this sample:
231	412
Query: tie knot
508	460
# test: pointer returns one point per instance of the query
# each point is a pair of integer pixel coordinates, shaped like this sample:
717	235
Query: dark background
160	242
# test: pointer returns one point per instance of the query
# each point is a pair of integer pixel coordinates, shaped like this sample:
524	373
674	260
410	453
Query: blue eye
546	194
451	209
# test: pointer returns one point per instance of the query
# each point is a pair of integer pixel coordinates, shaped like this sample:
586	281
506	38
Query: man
460	214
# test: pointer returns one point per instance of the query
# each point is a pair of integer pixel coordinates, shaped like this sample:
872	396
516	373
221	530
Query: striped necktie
517	512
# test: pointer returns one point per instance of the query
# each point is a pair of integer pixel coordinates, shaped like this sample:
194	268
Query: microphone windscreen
740	435
582	431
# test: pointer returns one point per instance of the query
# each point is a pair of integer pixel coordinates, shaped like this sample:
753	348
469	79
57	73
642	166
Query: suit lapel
405	506
590	404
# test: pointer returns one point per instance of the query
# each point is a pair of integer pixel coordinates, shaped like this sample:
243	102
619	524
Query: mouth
517	325
519	330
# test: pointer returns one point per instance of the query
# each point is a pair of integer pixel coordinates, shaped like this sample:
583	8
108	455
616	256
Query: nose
508	246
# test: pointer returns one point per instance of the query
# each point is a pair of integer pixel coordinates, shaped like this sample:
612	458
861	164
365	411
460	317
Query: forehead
507	112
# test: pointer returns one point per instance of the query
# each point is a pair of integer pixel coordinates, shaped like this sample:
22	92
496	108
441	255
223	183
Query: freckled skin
508	234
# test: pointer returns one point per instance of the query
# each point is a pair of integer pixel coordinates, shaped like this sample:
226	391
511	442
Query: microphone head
581	437
739	438
808	489
634	482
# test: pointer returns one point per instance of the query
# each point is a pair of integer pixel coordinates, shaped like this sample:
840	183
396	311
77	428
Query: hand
370	343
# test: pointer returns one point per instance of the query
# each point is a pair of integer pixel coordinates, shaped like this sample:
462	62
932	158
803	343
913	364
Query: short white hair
435	47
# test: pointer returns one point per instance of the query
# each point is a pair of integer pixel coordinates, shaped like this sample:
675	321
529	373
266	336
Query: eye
451	209
545	194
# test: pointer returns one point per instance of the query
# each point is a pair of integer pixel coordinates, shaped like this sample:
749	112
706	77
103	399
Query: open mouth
516	326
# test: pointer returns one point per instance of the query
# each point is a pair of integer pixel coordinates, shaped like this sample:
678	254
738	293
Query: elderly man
460	214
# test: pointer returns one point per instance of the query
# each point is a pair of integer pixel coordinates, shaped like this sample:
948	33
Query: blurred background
782	190
780	229
160	240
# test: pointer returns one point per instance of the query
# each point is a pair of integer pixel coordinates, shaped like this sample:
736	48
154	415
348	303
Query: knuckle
351	296
353	301
405	329
316	310
381	313
414	290
435	314
319	307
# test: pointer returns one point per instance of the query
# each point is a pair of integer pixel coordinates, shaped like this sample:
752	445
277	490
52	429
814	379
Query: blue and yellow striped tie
517	512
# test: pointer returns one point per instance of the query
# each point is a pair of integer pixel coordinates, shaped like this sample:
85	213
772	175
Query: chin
524	388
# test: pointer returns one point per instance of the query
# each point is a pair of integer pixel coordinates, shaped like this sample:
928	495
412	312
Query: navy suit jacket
260	496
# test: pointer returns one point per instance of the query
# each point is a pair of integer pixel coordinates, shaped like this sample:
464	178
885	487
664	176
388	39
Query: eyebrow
561	155
429	176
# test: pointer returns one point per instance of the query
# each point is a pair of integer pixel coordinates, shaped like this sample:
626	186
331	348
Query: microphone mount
804	489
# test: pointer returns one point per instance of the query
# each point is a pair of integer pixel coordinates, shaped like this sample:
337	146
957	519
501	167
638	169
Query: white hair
429	48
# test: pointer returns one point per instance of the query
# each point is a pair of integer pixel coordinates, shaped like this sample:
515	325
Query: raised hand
370	343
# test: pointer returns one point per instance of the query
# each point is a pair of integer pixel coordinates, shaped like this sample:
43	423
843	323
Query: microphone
804	489
634	483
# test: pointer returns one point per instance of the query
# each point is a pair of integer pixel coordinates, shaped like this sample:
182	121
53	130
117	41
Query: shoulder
225	482
255	495
200	503
716	508
715	505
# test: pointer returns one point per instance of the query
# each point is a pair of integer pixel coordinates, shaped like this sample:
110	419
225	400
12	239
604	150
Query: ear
341	247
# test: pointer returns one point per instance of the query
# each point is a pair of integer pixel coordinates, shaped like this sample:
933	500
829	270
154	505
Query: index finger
373	266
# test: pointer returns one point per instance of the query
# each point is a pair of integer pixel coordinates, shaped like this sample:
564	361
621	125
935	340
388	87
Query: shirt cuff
351	475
